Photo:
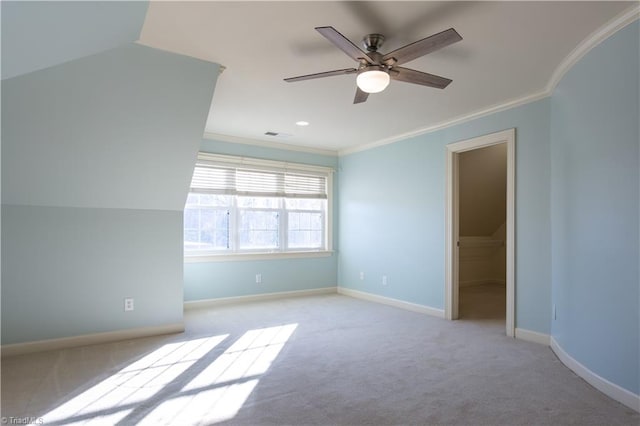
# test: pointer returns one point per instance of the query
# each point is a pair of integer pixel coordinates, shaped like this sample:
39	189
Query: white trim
511	233
328	236
482	141
268	144
89	339
452	251
209	303
532	336
610	389
451	221
414	307
205	258
594	39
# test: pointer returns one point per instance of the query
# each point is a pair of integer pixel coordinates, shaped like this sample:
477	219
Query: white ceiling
509	51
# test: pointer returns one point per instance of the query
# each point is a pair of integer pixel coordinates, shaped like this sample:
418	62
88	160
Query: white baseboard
610	389
392	302
532	336
206	303
89	339
480	282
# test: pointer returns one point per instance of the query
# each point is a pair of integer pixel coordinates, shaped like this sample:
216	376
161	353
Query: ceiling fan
375	69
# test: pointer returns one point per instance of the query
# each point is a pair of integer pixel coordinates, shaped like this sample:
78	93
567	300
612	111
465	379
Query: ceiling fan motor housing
373	42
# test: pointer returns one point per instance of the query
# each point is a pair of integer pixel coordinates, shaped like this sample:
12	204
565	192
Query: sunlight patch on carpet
205	392
221	389
113	398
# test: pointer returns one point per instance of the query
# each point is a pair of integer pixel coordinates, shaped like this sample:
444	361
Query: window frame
283	251
288	212
235	231
212	208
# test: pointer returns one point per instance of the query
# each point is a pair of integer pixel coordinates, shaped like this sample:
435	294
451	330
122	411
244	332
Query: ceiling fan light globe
374	81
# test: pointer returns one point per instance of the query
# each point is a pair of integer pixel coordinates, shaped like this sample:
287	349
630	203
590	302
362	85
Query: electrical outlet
361	276
384	280
128	304
258	278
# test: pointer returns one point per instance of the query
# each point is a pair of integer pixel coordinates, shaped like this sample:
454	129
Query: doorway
502	237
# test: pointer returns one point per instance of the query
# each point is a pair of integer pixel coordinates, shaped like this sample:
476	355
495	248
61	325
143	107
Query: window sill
255	256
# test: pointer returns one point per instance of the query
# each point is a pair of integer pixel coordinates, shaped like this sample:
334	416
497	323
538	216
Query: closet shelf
480	242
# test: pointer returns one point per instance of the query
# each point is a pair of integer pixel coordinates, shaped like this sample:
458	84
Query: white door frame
452	221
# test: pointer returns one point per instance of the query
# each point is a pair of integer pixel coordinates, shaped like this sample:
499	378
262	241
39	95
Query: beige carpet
325	360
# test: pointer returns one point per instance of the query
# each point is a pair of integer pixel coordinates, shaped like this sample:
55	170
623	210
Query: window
240	205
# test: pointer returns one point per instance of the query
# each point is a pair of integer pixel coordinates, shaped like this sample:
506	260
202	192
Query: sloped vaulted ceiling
40	34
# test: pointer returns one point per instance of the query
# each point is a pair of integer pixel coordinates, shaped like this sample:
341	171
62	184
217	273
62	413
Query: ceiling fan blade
361	96
321	75
344	44
418	77
422	47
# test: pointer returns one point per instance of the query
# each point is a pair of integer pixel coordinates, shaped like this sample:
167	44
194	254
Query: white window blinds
219	174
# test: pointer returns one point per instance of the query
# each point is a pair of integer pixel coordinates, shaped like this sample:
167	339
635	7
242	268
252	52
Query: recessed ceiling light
302	123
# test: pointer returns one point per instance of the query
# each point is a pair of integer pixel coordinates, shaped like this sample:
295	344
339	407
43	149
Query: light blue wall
392	206
97	156
237	278
595	210
65	271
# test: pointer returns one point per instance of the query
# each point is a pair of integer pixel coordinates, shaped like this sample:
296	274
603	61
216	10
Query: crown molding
594	39
268	144
442	125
